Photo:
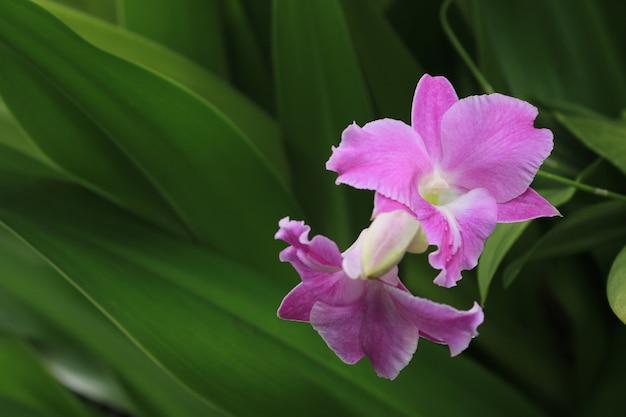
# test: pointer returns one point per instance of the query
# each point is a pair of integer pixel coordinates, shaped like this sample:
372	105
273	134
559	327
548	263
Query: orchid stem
583	187
487	88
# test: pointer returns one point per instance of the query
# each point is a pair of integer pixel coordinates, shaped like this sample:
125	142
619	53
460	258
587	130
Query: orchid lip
436	190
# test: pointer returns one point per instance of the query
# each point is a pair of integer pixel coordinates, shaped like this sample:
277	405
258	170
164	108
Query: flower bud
381	246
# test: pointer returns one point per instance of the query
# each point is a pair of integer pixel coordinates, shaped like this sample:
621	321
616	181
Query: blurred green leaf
187	150
503	238
256	124
211	323
11	135
616	286
58	318
390	69
607	394
536	48
190	27
25	380
605	137
320	91
249	67
102	9
585	337
75	144
17	409
582	230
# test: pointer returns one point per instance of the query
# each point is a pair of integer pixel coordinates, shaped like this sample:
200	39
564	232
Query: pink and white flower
360	315
460	168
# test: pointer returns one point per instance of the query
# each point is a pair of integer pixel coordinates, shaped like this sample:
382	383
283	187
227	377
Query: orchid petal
313	259
384	204
459	229
490	142
298	303
378	318
527	206
444	324
433	97
385	155
374	326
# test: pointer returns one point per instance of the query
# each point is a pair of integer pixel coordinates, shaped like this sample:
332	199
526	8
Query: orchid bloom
359	315
460	168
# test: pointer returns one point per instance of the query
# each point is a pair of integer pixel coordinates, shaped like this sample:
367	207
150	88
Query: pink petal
444	324
433	97
372	326
459	229
384	204
529	205
313	259
385	155
490	142
298	303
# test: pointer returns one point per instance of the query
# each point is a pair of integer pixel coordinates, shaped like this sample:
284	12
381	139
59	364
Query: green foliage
149	148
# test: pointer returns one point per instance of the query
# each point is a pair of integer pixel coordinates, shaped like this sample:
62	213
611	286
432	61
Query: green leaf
254	123
390	69
607	394
585	229
106	10
191	27
250	69
16	409
503	238
25	380
211	323
320	91
11	135
75	144
189	152
616	286
605	137
536	49
56	316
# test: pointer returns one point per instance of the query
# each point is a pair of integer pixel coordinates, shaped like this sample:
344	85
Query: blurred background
148	149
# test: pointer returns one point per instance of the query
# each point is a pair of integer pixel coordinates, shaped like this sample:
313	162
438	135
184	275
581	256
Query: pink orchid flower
361	316
460	168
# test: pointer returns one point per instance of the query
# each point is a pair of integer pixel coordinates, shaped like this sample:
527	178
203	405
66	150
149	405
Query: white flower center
436	190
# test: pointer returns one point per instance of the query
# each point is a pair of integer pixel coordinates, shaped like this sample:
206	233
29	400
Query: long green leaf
390	69
616	286
250	69
55	315
193	155
256	124
25	380
76	144
191	27
583	230
504	237
320	91
211	323
605	137
535	48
